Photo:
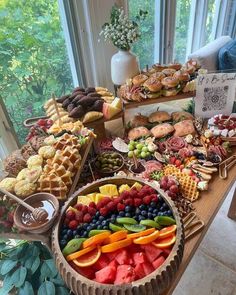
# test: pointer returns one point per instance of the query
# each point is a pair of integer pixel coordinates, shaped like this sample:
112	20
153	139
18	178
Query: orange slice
79	253
116	245
167	231
141	234
89	258
96	240
147	239
117	236
165	243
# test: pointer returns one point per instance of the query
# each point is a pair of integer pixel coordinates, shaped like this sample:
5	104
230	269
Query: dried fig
90	89
66	102
77	112
94	94
62	98
87	101
77	98
78	89
97	106
70	107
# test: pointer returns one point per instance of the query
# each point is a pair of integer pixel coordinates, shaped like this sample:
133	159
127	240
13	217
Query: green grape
130	154
139	146
136	152
131	147
145	149
143	155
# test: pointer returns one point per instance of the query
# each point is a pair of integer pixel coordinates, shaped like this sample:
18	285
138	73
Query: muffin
35	161
47	152
8	184
24	188
27	151
14	163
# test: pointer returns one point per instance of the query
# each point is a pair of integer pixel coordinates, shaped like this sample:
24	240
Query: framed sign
215	94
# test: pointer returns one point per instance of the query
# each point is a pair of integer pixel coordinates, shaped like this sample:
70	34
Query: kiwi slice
95	232
126	220
135	227
150	223
164	220
115	227
73	246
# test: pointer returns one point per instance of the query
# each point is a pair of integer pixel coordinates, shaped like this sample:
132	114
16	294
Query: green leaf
58	280
48	269
18	277
7	266
32	263
6	289
47	288
62	291
26	289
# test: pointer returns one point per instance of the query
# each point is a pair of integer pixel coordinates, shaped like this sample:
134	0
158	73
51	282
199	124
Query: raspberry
78	206
111	205
137	202
104	211
106	200
147	200
99	205
87	218
92	211
154	197
79	216
117	200
66	221
125	195
70	214
120	207
133	193
92	205
172	160
85	209
128	202
73	224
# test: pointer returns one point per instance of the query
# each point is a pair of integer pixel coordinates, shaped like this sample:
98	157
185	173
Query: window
33	58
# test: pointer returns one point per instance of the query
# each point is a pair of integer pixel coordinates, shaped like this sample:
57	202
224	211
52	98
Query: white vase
124	65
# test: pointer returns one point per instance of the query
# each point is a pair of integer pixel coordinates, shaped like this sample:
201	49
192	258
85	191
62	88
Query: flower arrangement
122	31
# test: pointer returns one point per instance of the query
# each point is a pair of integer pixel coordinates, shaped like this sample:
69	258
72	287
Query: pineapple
137	185
92	196
109	190
98	197
72	209
124	187
85	200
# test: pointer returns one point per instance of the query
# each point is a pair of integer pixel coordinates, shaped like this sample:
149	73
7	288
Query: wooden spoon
38	213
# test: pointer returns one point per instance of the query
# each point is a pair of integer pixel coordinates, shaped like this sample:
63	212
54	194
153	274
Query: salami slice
175	143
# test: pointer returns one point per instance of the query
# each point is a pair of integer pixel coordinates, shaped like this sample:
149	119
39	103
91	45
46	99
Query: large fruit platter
118	235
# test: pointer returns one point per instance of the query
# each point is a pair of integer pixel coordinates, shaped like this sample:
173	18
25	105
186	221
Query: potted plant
123	32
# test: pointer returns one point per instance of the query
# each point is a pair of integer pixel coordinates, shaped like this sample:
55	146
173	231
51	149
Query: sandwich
152	87
158	75
171	86
159	116
158	67
162	130
139	79
182	76
176	66
168	72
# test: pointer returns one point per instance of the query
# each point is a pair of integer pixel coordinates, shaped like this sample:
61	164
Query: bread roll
184	128
159	116
162	130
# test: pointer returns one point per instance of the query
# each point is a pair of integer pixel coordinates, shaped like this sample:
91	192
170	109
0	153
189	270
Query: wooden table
206	208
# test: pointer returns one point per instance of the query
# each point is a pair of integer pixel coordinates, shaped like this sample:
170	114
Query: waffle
53	184
61	160
67	140
73	155
71	126
187	185
60	171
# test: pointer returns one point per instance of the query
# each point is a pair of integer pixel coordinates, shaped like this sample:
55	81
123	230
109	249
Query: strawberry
103	211
137	202
87	218
79	216
147	200
172	160
85	209
120	207
73	224
70	214
78	206
178	162
92	205
92	211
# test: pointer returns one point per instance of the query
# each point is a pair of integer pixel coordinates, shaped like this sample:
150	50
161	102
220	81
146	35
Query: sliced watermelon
106	275
87	272
139	271
139	257
112	255
122	257
102	262
148	268
124	274
114	263
151	252
166	252
158	262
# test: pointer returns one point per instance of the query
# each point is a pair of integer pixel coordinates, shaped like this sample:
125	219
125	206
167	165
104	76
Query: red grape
174	189
163	184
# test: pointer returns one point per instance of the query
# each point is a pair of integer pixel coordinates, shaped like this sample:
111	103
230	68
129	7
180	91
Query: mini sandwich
139	79
159	116
152	87
158	75
168	72
175	66
171	86
158	67
183	76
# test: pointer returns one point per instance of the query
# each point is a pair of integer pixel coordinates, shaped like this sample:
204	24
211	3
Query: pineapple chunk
85	200
124	187
92	196
137	185
109	190
98	197
72	209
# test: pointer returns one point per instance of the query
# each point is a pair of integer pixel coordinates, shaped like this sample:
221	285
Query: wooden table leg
232	208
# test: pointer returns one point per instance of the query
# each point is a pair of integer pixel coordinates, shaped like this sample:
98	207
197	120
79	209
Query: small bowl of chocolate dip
24	219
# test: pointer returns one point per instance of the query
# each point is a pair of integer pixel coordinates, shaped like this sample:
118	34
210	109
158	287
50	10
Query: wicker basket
153	284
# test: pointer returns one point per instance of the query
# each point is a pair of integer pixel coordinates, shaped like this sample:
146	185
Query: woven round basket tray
153	284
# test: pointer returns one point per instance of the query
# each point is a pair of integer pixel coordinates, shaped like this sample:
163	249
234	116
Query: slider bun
152	84
159	67
139	79
138	132
170	82
158	75
162	130
176	66
169	72
182	75
159	116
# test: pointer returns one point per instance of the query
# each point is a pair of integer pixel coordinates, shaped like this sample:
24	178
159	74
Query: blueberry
85	225
74	233
144	213
101	218
69	233
137	211
97	214
160	200
165	206
162	209
99	226
64	227
104	222
149	215
85	233
153	204
121	213
76	236
63	243
93	226
89	228
160	214
65	237
142	207
105	227
155	211
98	223
64	232
113	220
150	209
113	216
128	209
141	218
